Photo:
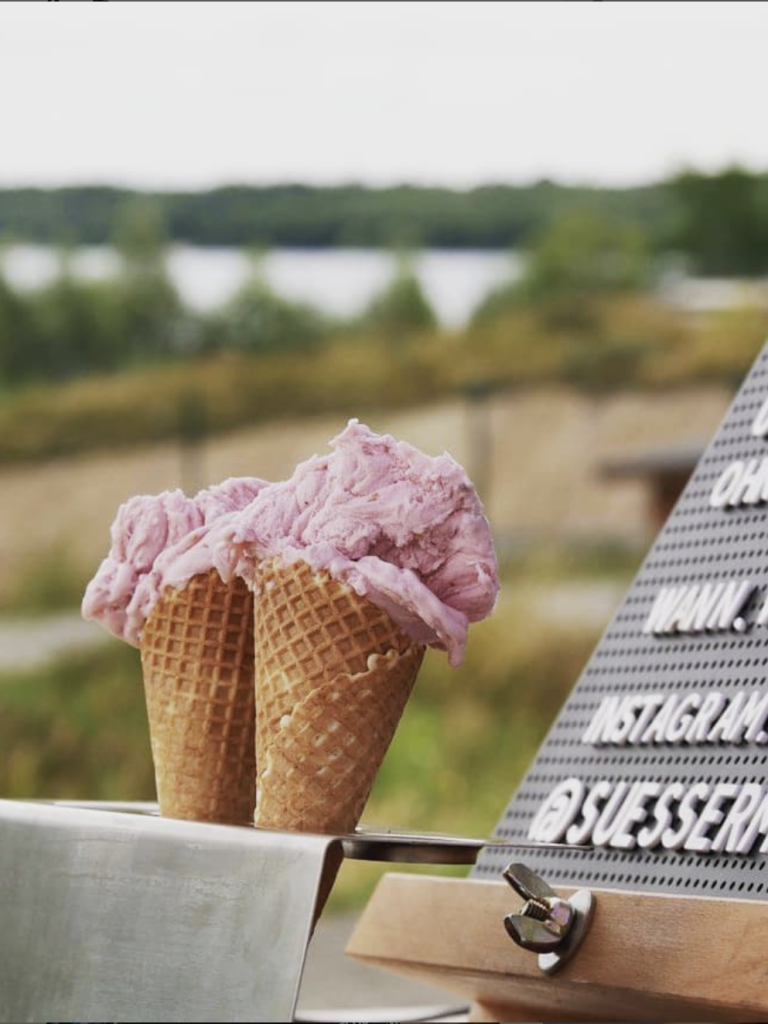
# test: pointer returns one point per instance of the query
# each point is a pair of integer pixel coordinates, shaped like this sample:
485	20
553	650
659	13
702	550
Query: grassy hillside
614	343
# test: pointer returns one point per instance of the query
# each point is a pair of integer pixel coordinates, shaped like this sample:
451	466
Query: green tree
256	319
75	328
722	221
579	257
582	253
139	236
150	317
401	308
19	337
500	300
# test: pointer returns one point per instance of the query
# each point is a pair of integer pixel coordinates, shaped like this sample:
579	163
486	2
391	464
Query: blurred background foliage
117	363
401	309
588	309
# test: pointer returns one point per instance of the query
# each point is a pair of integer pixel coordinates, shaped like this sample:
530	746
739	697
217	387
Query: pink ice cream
403	529
229	496
146	528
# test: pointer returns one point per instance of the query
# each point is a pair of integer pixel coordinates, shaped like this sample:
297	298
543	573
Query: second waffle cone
333	675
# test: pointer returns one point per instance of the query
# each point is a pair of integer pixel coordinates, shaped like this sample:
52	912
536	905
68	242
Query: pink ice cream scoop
145	528
229	496
405	530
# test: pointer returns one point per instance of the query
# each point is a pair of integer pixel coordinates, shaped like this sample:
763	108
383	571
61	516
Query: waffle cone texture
333	675
197	662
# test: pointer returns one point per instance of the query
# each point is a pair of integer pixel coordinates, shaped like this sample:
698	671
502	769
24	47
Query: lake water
338	281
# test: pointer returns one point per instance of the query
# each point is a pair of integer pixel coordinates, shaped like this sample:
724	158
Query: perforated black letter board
687	637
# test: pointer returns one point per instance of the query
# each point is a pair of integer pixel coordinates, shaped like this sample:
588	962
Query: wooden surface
646	957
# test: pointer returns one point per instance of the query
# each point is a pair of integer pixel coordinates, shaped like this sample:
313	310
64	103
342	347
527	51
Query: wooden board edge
688	958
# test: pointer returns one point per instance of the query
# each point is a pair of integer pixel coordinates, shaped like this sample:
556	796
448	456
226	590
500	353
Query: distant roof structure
651	461
664	471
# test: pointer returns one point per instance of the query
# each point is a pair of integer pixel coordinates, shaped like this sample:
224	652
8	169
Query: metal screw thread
537	909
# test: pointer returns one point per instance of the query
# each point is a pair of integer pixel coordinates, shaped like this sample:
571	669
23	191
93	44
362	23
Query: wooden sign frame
647	957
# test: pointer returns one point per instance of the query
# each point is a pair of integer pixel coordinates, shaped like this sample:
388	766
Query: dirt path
29	643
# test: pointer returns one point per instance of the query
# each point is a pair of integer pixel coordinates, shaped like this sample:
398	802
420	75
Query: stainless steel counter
109	915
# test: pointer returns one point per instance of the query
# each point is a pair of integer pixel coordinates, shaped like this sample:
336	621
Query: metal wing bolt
547	924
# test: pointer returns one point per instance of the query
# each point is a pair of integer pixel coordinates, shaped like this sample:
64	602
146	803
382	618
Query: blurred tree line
493	216
719	222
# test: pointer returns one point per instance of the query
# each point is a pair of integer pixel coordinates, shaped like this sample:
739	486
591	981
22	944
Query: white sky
197	94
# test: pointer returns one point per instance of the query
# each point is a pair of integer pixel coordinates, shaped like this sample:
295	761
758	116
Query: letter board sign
659	758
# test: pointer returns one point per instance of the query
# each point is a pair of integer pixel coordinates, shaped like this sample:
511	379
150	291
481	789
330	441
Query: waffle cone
333	675
197	660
